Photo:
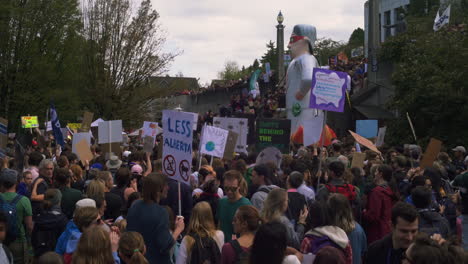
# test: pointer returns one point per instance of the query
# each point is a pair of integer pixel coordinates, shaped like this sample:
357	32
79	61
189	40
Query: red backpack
347	190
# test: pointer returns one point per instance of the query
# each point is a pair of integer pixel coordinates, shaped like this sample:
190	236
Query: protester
5	254
113	201
245	223
431	250
97	246
210	195
390	249
296	201
228	205
203	242
262	178
24	186
149	219
132	248
41	184
70	196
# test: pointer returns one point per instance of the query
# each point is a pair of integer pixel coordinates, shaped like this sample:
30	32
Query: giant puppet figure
299	76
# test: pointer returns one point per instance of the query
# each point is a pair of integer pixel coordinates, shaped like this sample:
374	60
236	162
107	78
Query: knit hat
8	175
308	31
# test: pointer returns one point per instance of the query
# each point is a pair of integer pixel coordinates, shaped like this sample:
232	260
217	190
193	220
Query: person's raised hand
303	215
114	238
179	223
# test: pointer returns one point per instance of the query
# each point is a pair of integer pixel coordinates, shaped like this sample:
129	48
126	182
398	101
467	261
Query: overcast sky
210	32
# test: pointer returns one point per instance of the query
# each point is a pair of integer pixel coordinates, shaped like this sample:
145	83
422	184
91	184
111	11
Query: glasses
294	39
230	188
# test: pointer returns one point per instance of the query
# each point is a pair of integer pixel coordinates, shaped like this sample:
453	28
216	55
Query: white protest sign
110	131
313	130
195	119
381	137
150	129
177	147
237	125
214	141
77	137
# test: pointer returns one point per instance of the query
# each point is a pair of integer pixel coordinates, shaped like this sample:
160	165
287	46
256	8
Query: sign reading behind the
273	133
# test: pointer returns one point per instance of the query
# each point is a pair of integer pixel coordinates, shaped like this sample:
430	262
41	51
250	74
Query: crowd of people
313	208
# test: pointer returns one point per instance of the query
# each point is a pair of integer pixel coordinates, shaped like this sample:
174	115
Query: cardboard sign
364	141
273	133
358	160
367	128
148	144
213	141
381	137
177	145
237	125
3	132
230	149
431	153
83	151
77	137
29	122
270	154
110	131
328	90
111	147
87	120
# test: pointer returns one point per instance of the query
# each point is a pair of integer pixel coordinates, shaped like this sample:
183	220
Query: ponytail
132	246
137	257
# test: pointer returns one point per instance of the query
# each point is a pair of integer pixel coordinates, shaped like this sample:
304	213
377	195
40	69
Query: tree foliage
270	56
430	82
326	47
231	71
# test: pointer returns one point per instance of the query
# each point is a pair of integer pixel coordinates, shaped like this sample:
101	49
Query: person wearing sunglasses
228	205
299	75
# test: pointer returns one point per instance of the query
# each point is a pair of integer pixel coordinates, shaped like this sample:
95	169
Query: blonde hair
96	188
132	246
201	224
94	247
342	215
273	206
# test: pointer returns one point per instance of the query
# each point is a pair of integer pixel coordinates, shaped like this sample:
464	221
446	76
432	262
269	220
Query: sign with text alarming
177	145
328	90
273	133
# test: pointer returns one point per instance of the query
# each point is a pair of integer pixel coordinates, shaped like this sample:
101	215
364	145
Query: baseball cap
8	175
460	148
86	202
137	169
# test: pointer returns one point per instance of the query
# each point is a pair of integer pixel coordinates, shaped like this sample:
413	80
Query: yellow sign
29	122
74	126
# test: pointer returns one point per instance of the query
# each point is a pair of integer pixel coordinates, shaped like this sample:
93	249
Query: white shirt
198	190
182	256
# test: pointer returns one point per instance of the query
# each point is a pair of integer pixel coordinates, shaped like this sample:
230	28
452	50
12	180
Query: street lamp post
280	46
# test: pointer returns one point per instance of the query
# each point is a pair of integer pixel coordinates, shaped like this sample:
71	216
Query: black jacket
172	199
48	227
382	252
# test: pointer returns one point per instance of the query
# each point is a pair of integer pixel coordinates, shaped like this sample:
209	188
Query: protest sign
195	119
270	154
312	130
273	133
358	160
110	131
237	125
431	153
48	126
328	90
77	137
3	132
108	148
83	151
87	120
150	129
381	137
148	144
29	122
364	141
74	126
367	128
213	141
230	149
177	148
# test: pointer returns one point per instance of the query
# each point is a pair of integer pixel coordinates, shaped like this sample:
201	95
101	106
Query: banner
213	141
443	20
3	133
364	141
273	133
367	128
29	122
328	90
177	148
110	131
381	137
431	153
56	128
237	125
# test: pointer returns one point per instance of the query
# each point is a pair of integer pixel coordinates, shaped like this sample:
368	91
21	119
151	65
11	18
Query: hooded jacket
61	246
378	213
327	236
431	222
259	197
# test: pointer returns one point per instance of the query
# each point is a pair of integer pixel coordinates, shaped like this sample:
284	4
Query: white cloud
213	31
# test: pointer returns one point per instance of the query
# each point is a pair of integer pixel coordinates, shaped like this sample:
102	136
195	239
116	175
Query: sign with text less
177	145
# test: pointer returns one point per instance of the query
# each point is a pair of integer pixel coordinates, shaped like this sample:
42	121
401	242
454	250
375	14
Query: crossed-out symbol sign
184	169
169	165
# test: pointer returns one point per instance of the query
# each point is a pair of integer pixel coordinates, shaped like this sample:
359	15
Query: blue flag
56	126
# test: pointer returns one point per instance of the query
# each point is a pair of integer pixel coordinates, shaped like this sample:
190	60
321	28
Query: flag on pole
56	125
441	21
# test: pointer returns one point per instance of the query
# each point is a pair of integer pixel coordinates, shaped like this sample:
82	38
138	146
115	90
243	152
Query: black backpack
204	251
9	209
44	236
242	256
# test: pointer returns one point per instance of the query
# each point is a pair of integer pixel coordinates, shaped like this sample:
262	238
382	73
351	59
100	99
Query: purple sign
328	90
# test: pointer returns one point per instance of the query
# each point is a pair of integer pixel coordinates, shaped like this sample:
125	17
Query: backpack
347	190
242	256
264	189
204	251
44	237
9	209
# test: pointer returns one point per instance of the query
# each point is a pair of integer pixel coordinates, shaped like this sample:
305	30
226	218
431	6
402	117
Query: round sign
210	145
184	169
169	165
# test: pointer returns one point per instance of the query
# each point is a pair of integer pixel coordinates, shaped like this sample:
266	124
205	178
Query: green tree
231	71
270	56
356	39
326	47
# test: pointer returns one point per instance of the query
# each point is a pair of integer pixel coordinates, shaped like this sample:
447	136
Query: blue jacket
62	242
